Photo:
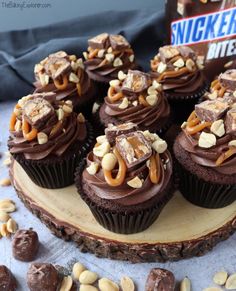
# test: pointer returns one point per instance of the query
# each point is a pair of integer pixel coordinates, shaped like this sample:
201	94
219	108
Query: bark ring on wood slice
217	225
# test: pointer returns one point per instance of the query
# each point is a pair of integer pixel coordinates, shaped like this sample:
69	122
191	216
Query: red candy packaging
209	27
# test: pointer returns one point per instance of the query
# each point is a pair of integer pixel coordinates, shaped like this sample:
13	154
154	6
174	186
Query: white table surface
54	250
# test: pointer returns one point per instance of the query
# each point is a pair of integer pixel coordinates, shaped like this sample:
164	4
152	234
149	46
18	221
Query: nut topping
102	149
42	138
206	140
109	161
124	104
218	127
136	182
93	168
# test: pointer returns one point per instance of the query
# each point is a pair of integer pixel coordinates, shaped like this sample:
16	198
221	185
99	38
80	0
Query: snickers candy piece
160	280
59	54
228	79
167	53
56	67
134	148
118	42
187	53
7	280
112	131
211	110
230	121
136	82
25	245
37	110
99	42
42	276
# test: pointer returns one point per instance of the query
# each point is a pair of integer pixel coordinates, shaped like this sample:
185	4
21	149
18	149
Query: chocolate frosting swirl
208	157
222	129
104	67
61	135
177	70
145	115
45	78
124	194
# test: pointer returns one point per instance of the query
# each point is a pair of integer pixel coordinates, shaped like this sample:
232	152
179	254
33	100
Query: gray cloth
21	50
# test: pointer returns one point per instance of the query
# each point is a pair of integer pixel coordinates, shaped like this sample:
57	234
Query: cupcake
48	139
108	54
224	86
64	75
206	154
126	179
136	98
178	70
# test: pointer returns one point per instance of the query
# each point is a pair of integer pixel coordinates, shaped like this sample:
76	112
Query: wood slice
181	231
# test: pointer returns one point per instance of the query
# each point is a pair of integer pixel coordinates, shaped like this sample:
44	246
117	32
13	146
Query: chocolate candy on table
134	148
160	280
136	82
25	245
42	276
211	110
112	131
7	280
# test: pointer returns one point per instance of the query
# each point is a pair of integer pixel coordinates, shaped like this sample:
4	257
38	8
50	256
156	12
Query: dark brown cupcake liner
203	193
56	172
122	222
102	88
182	106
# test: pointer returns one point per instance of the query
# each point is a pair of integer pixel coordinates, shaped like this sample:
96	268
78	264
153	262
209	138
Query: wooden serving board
182	230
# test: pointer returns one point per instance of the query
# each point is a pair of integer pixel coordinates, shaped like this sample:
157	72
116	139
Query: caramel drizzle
113	95
28	132
194	124
216	86
224	156
155	168
172	74
93	53
63	85
120	176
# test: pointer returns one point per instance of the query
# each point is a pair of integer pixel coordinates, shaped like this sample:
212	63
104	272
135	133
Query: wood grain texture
182	230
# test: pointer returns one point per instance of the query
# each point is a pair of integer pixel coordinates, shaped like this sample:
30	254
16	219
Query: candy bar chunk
187	52
228	79
211	110
37	110
167	53
59	54
99	41
136	82
112	131
118	42
230	121
134	148
160	280
56	67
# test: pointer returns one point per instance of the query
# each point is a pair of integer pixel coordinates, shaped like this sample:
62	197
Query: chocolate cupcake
48	139
178	70
224	86
127	178
7	280
108	54
135	97
206	154
64	75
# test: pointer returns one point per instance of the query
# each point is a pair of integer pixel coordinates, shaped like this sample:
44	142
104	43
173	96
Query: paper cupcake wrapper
122	222
203	193
182	106
56	173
